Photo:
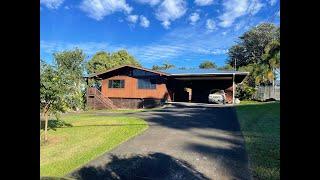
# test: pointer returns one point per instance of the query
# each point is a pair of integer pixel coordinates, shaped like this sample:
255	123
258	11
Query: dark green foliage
259	51
207	65
51	89
252	44
55	123
244	92
103	61
226	67
165	66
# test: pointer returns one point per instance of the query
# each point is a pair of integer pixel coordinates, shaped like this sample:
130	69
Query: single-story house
136	87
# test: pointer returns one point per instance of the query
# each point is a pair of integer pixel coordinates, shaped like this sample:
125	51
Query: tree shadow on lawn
151	166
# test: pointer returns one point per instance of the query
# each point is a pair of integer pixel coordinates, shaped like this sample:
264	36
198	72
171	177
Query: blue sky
181	32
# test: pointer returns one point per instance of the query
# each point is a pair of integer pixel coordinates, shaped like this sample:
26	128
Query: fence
267	92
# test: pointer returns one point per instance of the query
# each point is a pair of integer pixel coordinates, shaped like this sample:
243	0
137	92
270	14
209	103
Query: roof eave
141	68
204	74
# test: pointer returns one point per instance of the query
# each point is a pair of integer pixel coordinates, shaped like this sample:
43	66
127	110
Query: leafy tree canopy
252	44
226	67
258	52
166	65
70	65
207	65
103	61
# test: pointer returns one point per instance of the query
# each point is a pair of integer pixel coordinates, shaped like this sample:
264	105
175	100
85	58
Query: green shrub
245	92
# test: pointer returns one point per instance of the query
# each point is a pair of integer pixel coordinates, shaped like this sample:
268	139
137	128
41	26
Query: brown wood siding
229	94
131	90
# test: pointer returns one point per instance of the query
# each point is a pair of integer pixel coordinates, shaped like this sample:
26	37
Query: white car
217	96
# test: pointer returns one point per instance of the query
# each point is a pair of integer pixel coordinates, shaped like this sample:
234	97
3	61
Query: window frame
112	87
153	87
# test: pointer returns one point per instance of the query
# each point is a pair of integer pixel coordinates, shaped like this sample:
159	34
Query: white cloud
272	2
278	13
132	18
170	10
144	22
150	2
254	7
234	9
203	2
98	9
89	48
166	24
210	25
219	51
224	33
194	17
51	4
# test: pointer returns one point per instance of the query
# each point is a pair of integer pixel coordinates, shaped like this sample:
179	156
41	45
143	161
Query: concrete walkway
182	142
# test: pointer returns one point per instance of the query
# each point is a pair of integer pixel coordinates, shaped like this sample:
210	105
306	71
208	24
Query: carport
195	85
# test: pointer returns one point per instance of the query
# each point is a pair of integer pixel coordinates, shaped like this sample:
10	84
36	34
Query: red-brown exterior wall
131	90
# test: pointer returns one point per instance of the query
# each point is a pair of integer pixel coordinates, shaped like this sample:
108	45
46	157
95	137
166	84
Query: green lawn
245	102
90	136
260	125
121	110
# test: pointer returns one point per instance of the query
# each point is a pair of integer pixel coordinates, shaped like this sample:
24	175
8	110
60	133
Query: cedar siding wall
131	90
229	94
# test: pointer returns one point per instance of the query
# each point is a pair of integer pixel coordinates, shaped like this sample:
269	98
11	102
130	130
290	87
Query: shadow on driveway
188	140
150	166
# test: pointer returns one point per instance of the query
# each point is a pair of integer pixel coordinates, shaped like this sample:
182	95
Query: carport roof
184	72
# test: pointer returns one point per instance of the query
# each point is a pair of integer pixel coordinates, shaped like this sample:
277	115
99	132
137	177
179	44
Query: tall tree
103	61
259	51
70	65
269	66
99	62
52	93
207	65
252	45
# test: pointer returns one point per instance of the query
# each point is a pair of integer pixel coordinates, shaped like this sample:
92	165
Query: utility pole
235	64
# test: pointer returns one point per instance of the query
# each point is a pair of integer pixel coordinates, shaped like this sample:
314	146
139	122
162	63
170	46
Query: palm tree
265	71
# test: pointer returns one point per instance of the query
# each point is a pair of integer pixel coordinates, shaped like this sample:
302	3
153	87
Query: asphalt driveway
182	142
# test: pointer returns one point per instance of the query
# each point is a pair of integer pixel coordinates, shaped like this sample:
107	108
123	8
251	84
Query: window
116	83
140	73
146	83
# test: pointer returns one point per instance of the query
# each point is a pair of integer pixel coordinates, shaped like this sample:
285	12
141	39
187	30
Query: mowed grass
90	136
122	110
245	102
260	124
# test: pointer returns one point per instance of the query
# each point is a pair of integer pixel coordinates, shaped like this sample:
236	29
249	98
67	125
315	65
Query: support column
233	88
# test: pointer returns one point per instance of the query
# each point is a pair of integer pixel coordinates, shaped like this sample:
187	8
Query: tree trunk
46	126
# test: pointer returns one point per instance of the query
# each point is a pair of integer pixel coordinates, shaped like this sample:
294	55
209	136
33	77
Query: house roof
136	67
177	72
198	71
